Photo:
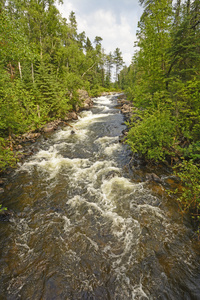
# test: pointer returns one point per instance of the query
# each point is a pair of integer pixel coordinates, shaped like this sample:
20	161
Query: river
85	228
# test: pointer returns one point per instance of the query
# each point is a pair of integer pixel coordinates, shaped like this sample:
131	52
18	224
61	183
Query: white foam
118	186
106	140
51	161
67	224
79	134
103	100
77	200
96	171
90	118
112	148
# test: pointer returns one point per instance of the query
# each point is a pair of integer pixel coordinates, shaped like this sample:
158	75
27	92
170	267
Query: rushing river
85	228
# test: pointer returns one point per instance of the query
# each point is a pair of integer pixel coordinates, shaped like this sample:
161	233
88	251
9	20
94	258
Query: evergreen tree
118	61
109	66
43	62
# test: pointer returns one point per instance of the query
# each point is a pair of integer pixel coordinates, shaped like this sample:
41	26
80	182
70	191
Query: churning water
83	228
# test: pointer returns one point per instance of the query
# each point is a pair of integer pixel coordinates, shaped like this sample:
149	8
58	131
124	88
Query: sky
115	21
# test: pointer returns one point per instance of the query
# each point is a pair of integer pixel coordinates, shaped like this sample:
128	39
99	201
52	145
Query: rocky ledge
127	109
85	99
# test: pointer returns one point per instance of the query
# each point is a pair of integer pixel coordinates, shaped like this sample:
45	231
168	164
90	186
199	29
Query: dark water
83	228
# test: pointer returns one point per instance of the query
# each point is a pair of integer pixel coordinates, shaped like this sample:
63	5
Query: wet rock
73	132
125	132
28	153
19	147
48	128
158	190
126	108
108	93
111	174
71	116
30	135
20	156
153	177
33	136
121	138
51	126
5	215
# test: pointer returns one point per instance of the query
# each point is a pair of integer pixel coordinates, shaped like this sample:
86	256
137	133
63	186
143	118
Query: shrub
153	135
189	197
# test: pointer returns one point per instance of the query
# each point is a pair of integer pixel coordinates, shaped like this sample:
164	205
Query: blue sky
115	21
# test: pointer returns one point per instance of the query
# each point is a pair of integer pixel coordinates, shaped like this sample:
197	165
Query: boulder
19	147
48	128
153	177
86	100
30	135
71	116
126	108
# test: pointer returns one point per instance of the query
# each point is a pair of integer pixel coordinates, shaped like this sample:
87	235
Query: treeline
163	82
43	62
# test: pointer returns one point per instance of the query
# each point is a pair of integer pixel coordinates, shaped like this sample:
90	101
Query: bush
189	174
7	157
152	136
189	195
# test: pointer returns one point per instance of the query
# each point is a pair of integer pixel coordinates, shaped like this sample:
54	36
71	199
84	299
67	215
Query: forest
163	82
43	62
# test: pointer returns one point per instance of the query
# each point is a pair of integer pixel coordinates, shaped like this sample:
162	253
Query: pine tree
118	61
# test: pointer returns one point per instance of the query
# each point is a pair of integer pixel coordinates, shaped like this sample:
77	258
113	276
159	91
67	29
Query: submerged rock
5	215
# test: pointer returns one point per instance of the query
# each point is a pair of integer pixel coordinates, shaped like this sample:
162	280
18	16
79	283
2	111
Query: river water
85	228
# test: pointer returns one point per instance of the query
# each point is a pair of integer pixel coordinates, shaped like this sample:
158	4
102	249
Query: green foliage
13	109
7	157
165	74
97	90
2	209
189	193
152	136
193	152
43	63
186	102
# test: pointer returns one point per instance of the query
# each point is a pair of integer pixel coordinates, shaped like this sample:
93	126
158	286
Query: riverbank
174	178
24	145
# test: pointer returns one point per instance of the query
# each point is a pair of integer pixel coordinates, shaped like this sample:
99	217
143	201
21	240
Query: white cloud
115	21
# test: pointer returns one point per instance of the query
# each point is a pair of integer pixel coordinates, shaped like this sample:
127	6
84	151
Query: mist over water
83	228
